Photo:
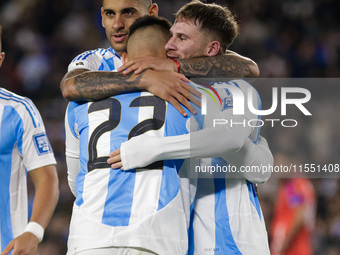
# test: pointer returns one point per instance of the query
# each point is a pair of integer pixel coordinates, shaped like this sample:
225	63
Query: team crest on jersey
42	144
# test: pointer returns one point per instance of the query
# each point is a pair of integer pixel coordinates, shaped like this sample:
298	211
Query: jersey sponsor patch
42	144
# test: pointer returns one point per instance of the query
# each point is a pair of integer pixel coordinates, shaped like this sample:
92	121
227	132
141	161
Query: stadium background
292	38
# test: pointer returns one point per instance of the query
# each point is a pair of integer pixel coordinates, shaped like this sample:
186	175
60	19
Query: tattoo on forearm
219	66
100	85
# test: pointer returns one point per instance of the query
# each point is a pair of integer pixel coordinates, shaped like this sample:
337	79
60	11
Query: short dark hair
148	20
146	3
211	18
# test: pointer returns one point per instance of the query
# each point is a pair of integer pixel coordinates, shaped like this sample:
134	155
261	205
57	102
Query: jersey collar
114	52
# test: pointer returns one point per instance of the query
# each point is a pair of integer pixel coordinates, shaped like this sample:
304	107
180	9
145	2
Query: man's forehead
118	5
184	26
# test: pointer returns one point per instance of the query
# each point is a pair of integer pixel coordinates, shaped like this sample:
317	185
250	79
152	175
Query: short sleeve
33	143
88	60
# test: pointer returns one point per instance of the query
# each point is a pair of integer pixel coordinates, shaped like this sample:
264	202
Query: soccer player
24	146
227	217
125	212
89	75
294	218
88	83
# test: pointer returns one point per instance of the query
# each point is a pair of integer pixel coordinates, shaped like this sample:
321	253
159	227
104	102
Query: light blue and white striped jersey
137	208
204	221
23	146
97	60
114	207
226	216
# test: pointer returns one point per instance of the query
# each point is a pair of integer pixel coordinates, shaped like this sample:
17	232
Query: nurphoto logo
242	102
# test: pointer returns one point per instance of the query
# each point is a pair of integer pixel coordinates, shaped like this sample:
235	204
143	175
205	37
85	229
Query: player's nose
118	22
170	45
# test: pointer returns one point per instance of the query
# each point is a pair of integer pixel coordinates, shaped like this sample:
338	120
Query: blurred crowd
287	38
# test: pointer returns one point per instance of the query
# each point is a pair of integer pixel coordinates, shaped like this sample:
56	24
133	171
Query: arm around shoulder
86	85
67	85
231	65
250	68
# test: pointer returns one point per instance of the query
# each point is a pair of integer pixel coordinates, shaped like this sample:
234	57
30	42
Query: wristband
177	64
36	229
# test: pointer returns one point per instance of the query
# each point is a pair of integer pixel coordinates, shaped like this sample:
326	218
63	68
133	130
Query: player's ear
102	13
125	58
2	57
153	10
213	48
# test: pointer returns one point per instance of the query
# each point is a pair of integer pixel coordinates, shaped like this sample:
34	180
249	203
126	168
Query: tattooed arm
81	84
230	65
95	85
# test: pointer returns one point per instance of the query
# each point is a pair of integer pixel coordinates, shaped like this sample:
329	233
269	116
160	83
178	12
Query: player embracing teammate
143	211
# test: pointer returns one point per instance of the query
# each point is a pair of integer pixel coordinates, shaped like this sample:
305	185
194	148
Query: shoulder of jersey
220	91
101	53
241	83
225	84
21	104
11	96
